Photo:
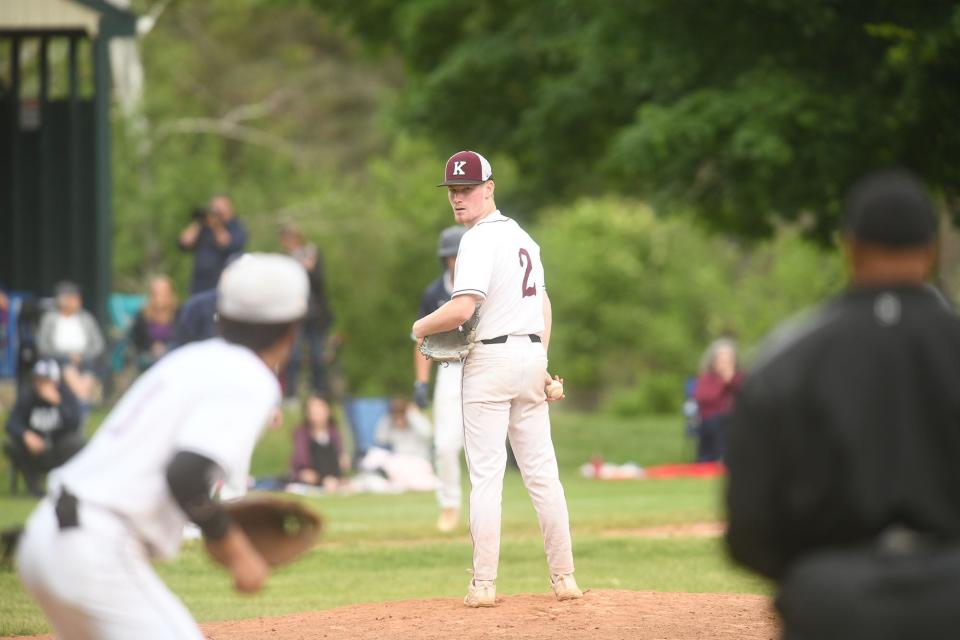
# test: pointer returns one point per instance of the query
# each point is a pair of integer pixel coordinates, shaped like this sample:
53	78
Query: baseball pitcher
504	375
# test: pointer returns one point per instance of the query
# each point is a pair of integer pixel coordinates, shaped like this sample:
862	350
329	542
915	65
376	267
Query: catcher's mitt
280	530
453	345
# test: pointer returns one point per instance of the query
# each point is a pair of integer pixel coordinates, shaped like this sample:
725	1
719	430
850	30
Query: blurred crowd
67	363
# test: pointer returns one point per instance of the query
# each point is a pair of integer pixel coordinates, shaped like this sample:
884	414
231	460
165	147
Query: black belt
66	510
501	339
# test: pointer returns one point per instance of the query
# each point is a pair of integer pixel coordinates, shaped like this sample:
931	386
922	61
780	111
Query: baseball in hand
554	389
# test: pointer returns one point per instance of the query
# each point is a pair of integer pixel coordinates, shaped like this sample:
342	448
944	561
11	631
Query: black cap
890	208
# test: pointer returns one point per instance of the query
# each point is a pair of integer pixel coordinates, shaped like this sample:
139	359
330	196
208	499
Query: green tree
637	298
748	111
266	103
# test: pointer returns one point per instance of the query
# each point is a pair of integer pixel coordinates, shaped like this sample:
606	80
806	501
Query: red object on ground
692	470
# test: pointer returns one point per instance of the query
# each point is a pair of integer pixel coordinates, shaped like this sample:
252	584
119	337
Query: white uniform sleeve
226	429
474	267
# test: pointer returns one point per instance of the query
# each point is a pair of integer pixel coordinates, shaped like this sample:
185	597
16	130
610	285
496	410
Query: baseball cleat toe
565	587
481	593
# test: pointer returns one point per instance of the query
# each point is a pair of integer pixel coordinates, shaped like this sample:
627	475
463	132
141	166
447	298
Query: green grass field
386	547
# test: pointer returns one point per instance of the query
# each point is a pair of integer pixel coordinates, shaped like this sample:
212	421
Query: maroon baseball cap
466	167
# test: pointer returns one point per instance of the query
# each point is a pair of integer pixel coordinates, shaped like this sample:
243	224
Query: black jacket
848	422
33	412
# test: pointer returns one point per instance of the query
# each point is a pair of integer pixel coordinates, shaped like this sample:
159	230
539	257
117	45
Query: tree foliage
748	111
263	103
269	102
637	298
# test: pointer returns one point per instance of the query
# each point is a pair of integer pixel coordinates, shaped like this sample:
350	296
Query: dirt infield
608	614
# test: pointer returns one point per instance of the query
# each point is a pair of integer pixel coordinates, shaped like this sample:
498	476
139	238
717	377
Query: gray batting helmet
449	242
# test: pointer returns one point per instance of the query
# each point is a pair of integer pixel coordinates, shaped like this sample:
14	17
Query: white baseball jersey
499	262
503	391
211	398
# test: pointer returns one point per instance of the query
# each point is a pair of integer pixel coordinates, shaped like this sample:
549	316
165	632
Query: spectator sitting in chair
70	334
44	424
408	465
404	430
151	333
318	458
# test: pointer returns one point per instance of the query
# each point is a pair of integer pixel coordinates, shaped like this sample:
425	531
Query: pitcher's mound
608	614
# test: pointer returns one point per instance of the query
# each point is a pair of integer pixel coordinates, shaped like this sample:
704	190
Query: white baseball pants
95	581
448	434
503	395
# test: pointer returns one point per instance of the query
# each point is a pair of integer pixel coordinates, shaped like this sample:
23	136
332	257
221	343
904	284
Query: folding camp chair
364	414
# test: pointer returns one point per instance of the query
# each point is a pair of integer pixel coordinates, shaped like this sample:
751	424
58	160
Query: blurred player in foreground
447	409
844	454
499	268
190	421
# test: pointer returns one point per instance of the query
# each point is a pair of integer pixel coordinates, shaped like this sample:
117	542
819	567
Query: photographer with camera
213	235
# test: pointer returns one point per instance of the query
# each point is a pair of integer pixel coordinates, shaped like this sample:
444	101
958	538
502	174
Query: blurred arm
69	407
188	237
421	364
547	321
189	478
45	334
418	423
17	420
235	552
95	343
450	316
232	237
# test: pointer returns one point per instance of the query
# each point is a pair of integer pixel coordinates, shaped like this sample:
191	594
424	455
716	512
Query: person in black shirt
44	424
844	451
318	457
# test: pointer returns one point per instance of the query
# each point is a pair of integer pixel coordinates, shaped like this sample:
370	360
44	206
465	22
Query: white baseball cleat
481	593
565	587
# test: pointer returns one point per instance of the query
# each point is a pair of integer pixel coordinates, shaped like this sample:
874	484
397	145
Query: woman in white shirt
71	335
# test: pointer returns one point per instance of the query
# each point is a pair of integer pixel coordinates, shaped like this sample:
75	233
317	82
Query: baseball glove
453	345
280	530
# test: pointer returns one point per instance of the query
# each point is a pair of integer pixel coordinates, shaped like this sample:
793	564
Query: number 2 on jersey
530	290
